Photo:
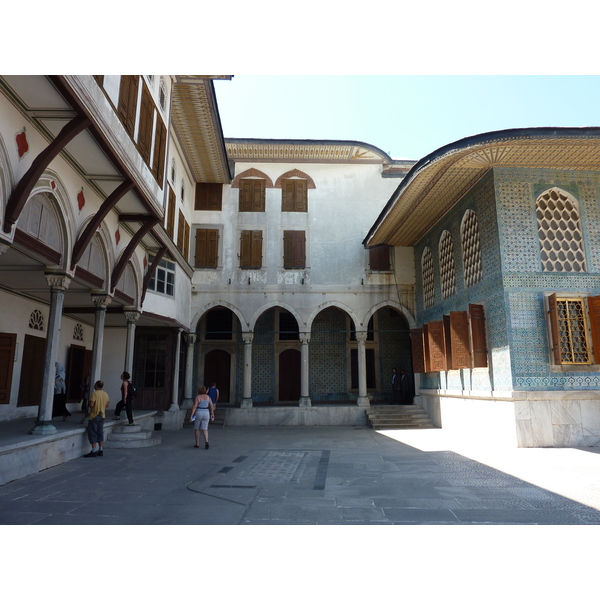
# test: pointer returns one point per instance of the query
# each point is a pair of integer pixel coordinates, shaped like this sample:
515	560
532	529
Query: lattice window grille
447	271
572	331
471	247
78	332
428	281
36	320
559	230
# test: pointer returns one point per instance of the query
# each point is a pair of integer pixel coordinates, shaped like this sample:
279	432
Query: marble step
141	443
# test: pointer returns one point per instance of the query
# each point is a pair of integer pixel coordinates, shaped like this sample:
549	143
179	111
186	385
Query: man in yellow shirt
98	403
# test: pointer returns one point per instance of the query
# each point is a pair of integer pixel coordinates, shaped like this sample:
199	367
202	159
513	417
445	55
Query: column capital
305	338
3	247
59	281
191	339
248	336
101	300
361	336
131	315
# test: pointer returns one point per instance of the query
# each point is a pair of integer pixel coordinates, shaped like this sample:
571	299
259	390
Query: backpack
131	391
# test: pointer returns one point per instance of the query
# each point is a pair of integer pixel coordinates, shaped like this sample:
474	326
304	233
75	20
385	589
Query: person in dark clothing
126	400
405	388
396	398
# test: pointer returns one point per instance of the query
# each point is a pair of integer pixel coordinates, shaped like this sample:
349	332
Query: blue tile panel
513	282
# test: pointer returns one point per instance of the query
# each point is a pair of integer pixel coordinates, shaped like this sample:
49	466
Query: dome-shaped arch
248	173
236	311
300	175
335	304
129	283
95	260
263	309
397	306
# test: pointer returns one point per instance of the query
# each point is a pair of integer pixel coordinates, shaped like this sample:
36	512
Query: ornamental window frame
428	277
447	266
470	238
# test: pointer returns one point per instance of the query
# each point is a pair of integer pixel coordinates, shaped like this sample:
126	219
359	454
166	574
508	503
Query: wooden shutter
301	195
447	341
160	145
418	351
208	196
8	343
554	329
32	371
251	249
180	232
477	317
294	250
252	195
171	213
426	348
288	249
207	248
146	124
594	311
437	347
379	258
186	241
287	195
459	340
128	93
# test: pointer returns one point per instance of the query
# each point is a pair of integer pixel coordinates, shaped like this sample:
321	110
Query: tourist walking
213	392
126	399
202	411
98	403
59	403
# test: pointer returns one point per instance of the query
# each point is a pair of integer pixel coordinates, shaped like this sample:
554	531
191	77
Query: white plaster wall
113	361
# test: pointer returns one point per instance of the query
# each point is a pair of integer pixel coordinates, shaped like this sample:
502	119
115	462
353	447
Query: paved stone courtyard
317	475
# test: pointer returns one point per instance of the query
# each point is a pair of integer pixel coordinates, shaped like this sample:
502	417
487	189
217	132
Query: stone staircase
126	436
398	417
220	418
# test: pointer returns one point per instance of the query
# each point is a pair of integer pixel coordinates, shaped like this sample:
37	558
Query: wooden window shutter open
300	195
171	213
160	146
146	124
128	92
437	348
459	340
594	311
418	351
477	318
186	241
180	232
426	348
447	341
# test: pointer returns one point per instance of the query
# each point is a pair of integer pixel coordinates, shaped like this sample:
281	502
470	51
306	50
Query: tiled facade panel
327	355
524	280
263	359
487	292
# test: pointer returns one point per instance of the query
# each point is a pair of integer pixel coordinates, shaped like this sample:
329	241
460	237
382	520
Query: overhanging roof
439	180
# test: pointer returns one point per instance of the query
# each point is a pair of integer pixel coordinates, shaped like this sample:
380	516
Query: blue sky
407	116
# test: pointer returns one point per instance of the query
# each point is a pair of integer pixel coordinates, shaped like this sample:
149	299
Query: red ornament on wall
53	185
22	145
80	200
145	262
118	236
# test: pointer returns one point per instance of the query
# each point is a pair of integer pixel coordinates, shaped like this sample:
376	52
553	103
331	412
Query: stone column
58	285
304	397
247	391
361	338
132	316
175	392
188	392
101	301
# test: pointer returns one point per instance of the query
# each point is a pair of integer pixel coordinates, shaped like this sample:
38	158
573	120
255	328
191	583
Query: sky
406	116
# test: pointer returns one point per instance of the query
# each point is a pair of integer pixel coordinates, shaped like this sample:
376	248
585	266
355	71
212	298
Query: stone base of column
187	403
174	407
304	401
363	401
43	428
246	403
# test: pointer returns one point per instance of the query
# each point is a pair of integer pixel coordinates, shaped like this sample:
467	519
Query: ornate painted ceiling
438	181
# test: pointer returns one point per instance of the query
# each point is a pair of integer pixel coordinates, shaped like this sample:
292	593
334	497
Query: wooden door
32	371
8	342
289	376
217	368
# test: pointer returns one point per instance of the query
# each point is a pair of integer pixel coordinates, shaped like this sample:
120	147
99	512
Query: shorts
96	430
202	418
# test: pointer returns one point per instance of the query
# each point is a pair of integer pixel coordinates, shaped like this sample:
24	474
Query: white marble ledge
513	396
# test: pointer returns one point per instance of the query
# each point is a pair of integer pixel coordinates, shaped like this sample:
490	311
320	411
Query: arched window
471	248
559	231
428	283
447	273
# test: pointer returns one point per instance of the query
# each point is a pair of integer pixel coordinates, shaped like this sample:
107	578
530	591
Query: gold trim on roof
438	185
281	151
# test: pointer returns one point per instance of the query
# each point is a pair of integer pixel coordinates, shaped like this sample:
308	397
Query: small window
182	190
379	258
163	279
471	248
173	172
294	195
251	249
294	250
252	195
447	272
428	280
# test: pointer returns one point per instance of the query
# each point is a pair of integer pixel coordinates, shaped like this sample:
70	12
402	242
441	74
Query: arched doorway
217	368
289	376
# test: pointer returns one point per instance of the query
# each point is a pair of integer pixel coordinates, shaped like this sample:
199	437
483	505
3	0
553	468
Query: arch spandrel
329	304
236	311
391	304
263	309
